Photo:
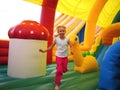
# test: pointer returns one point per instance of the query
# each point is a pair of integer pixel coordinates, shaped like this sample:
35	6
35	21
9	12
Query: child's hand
41	50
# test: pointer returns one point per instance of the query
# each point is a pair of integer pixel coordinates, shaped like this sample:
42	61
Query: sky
13	12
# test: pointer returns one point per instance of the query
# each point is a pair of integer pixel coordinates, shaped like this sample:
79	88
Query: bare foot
56	87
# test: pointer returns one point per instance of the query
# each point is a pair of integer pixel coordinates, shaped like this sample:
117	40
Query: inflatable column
47	20
24	58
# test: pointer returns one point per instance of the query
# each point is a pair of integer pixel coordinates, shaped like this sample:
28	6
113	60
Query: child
61	54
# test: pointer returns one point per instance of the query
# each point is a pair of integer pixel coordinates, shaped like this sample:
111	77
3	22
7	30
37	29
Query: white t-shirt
62	47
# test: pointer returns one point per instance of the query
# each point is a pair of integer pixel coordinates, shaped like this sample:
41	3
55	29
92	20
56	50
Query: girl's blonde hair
60	27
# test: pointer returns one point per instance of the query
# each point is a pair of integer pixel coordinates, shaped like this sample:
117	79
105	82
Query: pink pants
60	68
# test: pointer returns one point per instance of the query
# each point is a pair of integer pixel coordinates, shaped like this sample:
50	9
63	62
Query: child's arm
71	47
49	48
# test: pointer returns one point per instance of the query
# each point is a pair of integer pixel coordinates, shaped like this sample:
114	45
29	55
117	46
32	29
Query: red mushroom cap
11	32
29	29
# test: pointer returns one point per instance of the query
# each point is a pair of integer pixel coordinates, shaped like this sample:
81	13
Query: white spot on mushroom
42	33
31	32
23	23
19	31
31	23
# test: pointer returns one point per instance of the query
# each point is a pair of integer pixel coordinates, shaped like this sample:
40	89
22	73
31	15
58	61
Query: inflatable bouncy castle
94	30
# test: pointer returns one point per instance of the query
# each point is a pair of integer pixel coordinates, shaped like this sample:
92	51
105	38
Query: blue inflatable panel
110	69
101	54
81	34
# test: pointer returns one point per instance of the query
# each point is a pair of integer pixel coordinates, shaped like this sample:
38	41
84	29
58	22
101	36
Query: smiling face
61	30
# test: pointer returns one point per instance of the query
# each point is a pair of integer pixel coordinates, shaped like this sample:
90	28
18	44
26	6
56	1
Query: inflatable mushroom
24	59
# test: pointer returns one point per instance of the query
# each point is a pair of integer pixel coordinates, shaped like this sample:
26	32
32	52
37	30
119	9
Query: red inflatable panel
3	60
4	43
3	51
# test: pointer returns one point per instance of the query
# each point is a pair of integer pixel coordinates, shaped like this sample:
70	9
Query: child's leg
57	87
59	71
65	64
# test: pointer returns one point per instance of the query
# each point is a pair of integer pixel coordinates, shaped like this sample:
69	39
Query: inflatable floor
71	80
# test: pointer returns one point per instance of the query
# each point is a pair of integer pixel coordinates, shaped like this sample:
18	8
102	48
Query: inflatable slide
73	80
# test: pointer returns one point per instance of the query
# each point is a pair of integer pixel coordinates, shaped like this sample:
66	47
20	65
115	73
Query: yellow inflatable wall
81	9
